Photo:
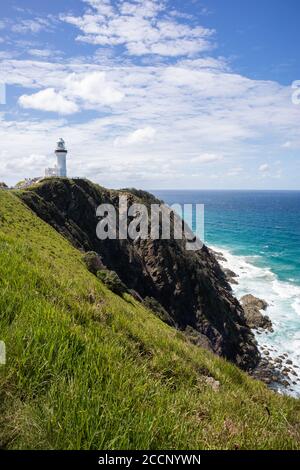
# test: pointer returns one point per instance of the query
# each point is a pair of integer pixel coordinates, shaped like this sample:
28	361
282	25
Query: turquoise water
263	223
259	234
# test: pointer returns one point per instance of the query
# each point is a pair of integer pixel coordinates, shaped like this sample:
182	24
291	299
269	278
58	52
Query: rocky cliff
190	286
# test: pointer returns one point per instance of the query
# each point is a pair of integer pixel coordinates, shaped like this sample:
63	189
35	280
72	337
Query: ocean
259	235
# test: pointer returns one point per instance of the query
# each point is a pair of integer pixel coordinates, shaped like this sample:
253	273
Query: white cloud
5	54
33	160
264	168
33	26
157	124
139	136
142	27
48	100
194	101
287	144
75	91
93	88
41	52
234	171
207	158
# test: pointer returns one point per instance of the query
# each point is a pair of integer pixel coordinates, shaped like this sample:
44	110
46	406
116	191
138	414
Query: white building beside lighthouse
60	169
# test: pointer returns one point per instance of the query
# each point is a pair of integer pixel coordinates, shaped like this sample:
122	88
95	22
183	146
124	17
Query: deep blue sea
259	234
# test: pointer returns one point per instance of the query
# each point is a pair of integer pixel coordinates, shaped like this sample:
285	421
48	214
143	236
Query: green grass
87	369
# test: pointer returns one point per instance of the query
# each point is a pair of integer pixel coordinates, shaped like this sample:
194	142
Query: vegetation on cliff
88	369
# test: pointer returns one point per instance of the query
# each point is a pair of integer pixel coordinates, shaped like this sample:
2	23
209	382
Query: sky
153	94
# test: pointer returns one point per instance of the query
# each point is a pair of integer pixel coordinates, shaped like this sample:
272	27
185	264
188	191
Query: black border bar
136	459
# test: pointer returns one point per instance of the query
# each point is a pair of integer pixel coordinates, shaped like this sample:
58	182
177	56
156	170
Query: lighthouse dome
61	144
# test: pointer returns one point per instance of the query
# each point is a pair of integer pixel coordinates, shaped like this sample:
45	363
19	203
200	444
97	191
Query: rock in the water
269	373
253	301
252	308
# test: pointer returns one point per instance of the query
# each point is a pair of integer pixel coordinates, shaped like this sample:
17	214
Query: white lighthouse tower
61	155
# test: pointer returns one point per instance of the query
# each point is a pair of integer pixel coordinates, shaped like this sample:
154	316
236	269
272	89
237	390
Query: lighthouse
61	155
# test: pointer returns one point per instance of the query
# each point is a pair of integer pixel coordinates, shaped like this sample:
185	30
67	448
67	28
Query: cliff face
189	285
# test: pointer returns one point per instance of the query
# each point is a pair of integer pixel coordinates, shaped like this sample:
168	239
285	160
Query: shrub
112	281
93	262
159	310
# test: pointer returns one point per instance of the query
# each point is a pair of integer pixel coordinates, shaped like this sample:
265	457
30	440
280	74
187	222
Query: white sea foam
296	306
283	300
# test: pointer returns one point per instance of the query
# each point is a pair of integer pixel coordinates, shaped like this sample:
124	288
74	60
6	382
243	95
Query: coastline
278	367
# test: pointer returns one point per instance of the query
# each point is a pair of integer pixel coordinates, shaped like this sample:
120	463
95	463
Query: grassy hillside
87	369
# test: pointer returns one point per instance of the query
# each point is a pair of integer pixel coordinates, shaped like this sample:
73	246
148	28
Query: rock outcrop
190	286
231	277
254	317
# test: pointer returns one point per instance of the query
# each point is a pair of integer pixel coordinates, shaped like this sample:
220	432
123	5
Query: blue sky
153	94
